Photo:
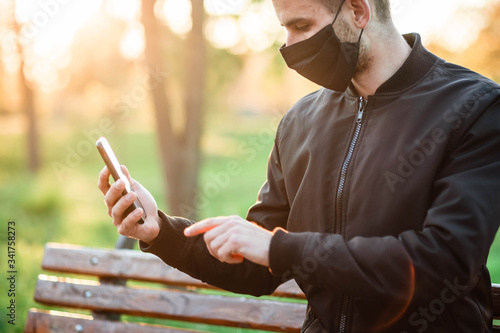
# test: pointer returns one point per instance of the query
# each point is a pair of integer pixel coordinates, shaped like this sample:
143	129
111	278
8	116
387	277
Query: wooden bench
177	296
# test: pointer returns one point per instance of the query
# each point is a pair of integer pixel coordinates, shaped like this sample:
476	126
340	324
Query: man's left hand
231	238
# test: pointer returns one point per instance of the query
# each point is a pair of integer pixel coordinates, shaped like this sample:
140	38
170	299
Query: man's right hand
117	204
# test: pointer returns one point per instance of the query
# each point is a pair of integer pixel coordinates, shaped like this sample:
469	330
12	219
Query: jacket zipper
340	190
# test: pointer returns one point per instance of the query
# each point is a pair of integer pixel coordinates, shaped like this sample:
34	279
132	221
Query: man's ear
360	12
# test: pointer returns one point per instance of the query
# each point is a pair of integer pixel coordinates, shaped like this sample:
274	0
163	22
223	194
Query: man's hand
231	238
117	204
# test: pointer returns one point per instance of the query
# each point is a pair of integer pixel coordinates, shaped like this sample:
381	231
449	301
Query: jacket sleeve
191	255
451	248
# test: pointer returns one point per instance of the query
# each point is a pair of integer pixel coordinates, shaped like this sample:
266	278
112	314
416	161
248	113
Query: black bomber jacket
388	205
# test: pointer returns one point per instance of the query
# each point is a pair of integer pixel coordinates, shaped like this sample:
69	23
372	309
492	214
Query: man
387	182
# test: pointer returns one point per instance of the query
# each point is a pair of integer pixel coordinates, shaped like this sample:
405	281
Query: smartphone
114	167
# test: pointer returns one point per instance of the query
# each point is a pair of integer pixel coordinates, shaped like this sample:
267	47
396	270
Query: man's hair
382	8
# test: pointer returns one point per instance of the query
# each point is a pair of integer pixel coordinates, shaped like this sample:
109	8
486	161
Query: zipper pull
362	104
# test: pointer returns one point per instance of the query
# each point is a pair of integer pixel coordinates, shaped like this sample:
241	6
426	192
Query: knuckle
220	257
221	254
233	240
123	230
113	189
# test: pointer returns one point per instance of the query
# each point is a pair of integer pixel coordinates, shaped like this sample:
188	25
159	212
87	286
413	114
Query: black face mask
323	59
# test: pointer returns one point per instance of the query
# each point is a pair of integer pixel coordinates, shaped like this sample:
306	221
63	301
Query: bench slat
40	321
170	304
496	299
130	265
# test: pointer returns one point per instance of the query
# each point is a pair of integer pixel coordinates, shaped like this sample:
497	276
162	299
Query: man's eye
302	27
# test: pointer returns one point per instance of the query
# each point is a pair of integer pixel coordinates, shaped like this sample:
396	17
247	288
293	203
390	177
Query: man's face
302	18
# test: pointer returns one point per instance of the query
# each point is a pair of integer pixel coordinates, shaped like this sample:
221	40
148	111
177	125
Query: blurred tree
28	105
179	149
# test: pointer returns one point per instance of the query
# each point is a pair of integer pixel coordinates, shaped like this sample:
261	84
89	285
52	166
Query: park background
189	93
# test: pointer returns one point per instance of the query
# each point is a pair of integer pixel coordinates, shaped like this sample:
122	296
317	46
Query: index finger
202	227
103	183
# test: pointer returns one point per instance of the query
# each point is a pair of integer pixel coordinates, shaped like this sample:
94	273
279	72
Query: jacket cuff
170	242
285	253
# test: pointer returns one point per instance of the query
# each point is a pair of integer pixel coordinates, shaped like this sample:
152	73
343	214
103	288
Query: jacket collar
416	66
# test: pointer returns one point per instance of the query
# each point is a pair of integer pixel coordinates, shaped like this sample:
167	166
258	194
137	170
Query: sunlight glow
126	10
258	28
255	30
452	23
176	14
223	32
133	41
48	30
49	24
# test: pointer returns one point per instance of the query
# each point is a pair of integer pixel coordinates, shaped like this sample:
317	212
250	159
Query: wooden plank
172	304
495	288
130	265
40	321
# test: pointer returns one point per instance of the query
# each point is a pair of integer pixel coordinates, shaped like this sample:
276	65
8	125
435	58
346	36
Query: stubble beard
347	34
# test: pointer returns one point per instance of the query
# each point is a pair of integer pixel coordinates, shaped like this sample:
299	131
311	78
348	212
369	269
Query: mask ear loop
335	19
338	12
361	34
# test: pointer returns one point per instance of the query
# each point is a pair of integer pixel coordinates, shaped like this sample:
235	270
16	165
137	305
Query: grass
67	207
493	263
